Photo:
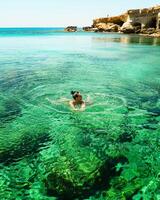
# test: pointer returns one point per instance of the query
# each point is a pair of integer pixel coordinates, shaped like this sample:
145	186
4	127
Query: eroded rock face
71	29
114	28
127	28
107	27
101	27
119	20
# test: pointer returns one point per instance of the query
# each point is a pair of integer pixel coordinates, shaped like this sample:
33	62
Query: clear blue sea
110	151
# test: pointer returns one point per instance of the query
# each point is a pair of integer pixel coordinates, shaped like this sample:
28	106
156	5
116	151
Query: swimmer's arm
72	105
83	106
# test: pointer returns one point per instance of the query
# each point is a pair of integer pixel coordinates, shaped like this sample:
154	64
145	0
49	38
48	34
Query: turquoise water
109	151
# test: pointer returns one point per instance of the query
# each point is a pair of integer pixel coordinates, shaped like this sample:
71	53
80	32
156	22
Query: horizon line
39	27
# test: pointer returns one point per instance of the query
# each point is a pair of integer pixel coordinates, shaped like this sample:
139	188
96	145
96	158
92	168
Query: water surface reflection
128	39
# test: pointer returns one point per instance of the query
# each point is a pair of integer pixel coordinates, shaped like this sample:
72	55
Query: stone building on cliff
147	18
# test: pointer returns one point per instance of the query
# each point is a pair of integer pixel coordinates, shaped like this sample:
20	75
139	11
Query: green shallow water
109	151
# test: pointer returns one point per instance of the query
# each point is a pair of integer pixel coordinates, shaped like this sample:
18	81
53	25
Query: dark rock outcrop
147	31
89	29
71	29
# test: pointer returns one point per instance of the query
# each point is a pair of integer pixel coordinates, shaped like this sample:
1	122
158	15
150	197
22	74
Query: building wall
145	16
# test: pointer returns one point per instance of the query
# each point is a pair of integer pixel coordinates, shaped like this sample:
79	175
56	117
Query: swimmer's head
76	95
73	92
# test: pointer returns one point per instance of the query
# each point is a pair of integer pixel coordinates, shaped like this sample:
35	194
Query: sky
62	13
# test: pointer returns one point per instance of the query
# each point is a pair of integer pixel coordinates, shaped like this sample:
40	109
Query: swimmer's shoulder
72	103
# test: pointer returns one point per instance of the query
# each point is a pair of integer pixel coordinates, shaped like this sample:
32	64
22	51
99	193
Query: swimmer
77	101
77	104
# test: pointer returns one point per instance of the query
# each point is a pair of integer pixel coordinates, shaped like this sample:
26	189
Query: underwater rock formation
83	179
9	110
27	145
21	137
85	159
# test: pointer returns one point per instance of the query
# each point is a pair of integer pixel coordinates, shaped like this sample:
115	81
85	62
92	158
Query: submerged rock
155	111
23	136
9	110
83	180
84	157
27	145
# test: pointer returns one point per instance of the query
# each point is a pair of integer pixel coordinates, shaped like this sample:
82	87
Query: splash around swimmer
98	103
76	104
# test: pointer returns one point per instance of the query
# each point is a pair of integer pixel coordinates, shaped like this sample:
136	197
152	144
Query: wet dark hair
74	94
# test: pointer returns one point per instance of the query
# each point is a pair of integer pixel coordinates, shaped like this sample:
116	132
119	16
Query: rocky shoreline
138	21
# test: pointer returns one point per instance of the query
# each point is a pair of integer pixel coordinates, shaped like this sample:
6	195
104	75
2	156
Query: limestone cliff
133	21
119	20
